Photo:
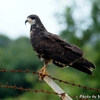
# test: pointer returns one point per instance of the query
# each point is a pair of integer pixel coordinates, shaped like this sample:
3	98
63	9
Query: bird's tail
83	65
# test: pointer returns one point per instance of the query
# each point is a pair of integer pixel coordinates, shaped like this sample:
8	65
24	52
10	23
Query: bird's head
32	19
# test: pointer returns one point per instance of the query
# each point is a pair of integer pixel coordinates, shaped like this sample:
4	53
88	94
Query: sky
13	14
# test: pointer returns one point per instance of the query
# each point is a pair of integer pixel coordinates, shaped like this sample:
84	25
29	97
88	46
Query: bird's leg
42	73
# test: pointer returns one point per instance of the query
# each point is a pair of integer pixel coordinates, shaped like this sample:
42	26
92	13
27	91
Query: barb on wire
62	81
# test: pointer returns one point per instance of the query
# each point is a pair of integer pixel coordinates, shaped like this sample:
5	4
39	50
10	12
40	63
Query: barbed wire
59	80
18	71
77	85
26	89
29	89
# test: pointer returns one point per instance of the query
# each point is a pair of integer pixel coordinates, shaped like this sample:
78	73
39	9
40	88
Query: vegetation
18	54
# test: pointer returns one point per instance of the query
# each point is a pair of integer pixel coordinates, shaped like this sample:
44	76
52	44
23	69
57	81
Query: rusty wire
62	81
29	89
18	71
77	85
26	89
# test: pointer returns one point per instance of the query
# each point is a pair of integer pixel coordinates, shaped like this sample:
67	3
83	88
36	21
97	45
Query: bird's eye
33	18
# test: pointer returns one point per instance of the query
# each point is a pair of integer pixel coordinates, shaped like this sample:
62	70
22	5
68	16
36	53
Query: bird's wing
52	46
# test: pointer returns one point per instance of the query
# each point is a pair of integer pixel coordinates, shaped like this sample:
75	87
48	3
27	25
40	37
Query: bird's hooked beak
30	21
26	21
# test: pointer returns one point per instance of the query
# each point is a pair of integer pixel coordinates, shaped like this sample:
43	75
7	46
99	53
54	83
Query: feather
83	65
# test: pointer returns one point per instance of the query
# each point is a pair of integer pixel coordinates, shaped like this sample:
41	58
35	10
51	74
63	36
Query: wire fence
43	91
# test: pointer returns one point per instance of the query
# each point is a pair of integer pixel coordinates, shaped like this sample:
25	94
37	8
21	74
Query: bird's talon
42	73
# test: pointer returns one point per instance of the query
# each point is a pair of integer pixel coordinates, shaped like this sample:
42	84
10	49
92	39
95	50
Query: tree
4	41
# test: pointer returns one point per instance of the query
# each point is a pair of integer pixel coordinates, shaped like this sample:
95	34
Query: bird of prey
53	49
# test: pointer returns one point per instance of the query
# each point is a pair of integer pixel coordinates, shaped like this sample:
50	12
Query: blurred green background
18	54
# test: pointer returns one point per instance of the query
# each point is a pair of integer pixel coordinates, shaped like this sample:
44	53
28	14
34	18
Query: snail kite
53	49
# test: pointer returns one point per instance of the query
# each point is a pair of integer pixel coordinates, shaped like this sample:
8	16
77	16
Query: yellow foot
42	73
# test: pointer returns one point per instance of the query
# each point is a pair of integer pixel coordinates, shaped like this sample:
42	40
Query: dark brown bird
53	49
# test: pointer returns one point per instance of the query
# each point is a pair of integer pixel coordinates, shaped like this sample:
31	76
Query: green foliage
4	41
17	54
